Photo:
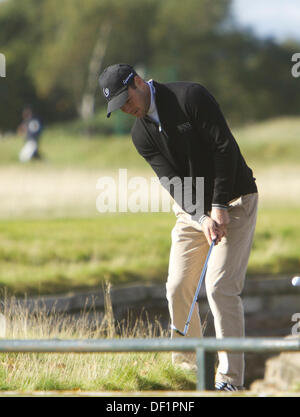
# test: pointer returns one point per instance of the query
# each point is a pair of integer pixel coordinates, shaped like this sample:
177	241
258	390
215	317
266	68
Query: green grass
62	150
273	142
78	250
92	372
71	247
276	247
57	255
96	372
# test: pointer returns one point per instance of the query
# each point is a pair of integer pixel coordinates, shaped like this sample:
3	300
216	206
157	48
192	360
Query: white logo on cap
106	92
128	78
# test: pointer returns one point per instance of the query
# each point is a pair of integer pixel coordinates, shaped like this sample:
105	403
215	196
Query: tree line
56	49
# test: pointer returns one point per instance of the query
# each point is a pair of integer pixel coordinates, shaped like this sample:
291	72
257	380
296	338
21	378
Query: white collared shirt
152	112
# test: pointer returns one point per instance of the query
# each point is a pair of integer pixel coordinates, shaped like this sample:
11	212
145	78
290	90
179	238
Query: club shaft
198	288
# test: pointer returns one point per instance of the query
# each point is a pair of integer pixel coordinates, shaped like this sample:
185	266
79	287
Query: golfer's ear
138	81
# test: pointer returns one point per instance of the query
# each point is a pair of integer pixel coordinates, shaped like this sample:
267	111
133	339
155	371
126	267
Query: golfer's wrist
220	206
203	218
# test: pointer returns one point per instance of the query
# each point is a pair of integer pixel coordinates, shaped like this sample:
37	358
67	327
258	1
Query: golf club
196	294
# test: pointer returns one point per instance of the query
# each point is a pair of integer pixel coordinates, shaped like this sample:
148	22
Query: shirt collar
152	107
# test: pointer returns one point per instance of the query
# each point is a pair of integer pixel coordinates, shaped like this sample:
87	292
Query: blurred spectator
31	128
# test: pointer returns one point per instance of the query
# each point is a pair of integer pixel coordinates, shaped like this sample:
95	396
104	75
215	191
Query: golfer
31	128
181	132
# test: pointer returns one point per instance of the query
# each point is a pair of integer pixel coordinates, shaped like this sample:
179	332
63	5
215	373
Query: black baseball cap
114	82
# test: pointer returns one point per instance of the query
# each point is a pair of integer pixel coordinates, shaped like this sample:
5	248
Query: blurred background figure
31	128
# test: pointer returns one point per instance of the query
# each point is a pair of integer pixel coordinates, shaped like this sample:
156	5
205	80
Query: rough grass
271	143
276	243
85	372
57	255
266	144
63	150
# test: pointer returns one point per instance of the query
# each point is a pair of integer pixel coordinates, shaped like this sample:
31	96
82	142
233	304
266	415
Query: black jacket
194	141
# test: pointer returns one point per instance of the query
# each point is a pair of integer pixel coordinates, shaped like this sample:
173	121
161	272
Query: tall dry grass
87	372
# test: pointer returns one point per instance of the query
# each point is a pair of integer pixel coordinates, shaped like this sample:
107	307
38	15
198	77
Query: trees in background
55	50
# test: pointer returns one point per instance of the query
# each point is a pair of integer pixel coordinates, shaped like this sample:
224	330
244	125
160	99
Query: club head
177	331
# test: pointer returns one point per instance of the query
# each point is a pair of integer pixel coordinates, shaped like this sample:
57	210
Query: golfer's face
137	104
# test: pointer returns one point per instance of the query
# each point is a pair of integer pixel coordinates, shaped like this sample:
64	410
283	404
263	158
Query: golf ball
296	281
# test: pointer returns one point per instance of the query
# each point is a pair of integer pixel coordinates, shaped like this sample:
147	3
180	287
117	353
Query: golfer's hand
221	217
211	230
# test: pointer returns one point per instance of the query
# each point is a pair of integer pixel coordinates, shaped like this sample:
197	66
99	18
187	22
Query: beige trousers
224	280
